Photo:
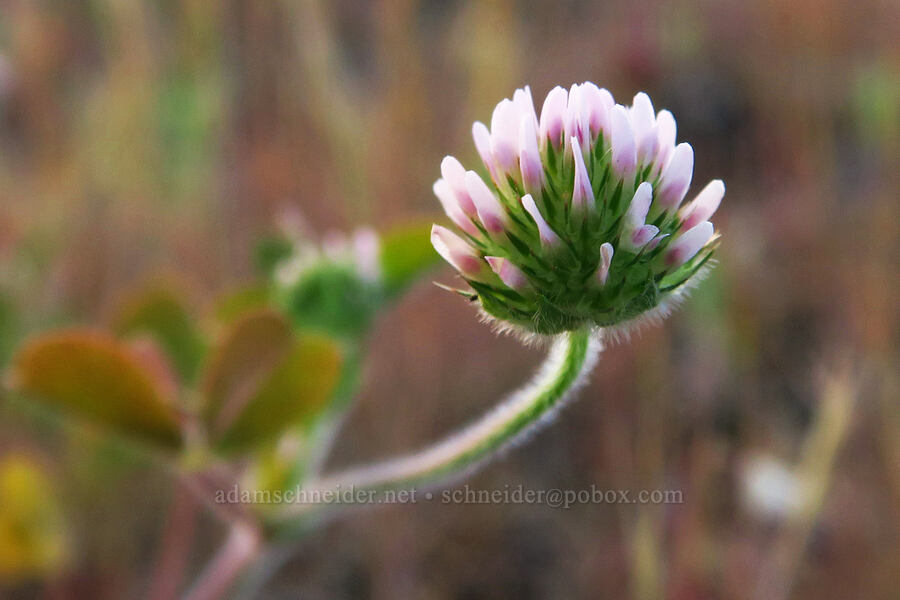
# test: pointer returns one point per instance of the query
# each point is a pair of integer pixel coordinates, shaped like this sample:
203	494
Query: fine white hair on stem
513	421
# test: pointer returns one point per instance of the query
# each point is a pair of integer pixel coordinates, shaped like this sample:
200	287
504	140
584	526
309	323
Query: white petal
624	155
644	121
606	255
490	211
582	194
634	233
643	235
525	104
509	273
686	246
598	102
676	177
576	123
665	134
451	207
548	236
530	157
455	175
459	254
553	115
640	205
505	135
704	205
482	138
367	253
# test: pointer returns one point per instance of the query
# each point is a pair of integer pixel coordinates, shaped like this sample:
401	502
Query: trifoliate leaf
99	379
238	303
244	360
160	313
297	390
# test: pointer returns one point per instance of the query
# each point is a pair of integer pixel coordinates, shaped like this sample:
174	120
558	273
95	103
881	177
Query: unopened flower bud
676	177
508	273
553	115
459	254
685	246
704	205
624	151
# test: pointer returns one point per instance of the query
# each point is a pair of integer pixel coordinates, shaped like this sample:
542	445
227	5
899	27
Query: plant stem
326	431
241	548
175	546
571	358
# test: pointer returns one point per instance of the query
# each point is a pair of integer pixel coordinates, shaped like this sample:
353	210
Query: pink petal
704	205
606	255
624	154
665	134
482	138
509	273
598	102
455	175
459	254
451	207
640	205
504	135
525	104
490	211
643	235
548	236
582	195
655	242
676	177
576	123
686	246
553	115
644	121
530	157
367	253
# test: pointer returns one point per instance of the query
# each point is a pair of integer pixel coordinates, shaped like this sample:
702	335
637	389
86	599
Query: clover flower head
357	252
579	221
336	285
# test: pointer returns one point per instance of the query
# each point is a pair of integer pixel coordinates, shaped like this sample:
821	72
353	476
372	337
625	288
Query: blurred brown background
139	138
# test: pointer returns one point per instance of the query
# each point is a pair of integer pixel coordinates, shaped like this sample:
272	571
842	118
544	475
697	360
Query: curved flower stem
571	358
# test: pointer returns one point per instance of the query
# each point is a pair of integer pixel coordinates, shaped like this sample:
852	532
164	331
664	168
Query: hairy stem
573	356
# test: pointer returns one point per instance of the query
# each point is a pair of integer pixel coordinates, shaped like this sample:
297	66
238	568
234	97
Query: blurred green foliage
10	327
406	252
264	380
32	535
98	378
293	393
158	311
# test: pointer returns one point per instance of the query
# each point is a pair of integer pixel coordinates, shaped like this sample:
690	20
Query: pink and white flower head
577	220
359	253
